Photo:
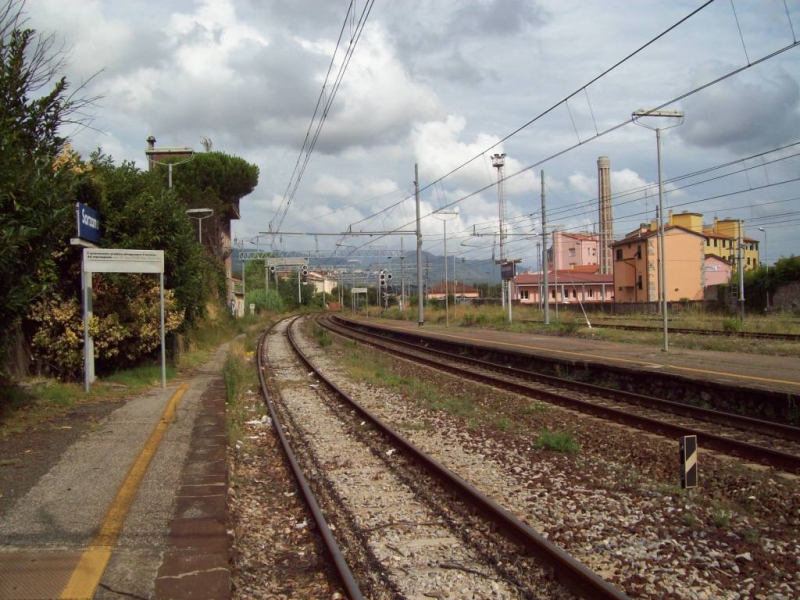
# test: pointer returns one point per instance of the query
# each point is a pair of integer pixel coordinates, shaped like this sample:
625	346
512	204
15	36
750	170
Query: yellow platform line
93	561
640	363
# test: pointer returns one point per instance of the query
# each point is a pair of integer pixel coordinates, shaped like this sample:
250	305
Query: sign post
100	260
688	457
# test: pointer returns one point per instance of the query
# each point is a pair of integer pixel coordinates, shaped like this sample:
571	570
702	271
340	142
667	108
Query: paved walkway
134	509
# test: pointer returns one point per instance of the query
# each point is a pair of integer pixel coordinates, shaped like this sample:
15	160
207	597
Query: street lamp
766	264
662	274
446	214
199	214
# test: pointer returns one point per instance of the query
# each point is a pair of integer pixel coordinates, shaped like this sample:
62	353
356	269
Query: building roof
580	236
643	234
453	288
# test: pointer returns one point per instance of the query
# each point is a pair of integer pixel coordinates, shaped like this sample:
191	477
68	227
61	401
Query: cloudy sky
446	84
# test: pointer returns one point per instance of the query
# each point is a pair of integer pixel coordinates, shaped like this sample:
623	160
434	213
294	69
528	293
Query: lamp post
766	264
662	275
446	214
199	214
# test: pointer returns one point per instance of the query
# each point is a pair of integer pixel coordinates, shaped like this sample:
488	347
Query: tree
218	181
36	196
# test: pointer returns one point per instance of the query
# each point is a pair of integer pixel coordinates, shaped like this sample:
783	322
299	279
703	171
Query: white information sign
359	291
114	260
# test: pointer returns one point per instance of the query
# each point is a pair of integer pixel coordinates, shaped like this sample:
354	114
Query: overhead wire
308	146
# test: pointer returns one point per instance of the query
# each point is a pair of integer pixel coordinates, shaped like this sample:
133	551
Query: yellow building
688	245
722	238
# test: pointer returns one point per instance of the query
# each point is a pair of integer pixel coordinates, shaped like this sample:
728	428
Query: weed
720	518
689	519
751	536
503	424
322	336
731	325
559	441
536	407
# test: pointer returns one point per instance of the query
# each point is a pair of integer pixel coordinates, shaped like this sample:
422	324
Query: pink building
568	286
572	250
716	270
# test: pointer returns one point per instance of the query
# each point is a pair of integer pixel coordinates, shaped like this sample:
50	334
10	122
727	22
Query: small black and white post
688	457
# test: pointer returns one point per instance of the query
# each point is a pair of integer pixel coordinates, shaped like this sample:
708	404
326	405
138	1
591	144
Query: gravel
615	505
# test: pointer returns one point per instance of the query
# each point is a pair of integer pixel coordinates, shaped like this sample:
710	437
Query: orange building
636	271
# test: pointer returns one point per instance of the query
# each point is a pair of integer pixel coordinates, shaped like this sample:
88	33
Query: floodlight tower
499	162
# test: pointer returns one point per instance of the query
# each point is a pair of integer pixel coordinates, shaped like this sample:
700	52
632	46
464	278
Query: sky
446	84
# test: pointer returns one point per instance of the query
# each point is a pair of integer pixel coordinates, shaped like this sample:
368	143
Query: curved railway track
339	448
763	442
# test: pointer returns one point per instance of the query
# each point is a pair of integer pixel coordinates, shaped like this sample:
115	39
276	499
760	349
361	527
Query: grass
35	403
558	441
322	336
241	389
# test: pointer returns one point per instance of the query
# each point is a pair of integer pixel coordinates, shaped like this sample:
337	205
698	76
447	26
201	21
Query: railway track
763	442
396	522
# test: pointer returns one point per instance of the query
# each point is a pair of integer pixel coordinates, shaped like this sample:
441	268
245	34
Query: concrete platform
173	543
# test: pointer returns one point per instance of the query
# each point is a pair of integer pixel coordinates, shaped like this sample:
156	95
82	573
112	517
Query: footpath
134	508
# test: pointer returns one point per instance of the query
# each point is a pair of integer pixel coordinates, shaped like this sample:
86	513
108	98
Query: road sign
358	291
88	223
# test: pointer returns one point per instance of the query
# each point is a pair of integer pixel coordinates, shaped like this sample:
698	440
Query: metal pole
662	270
163	343
446	295
555	268
169	175
545	262
741	271
766	264
420	291
402	275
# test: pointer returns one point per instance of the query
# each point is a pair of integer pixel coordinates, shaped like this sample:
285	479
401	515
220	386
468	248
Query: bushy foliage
121	337
35	196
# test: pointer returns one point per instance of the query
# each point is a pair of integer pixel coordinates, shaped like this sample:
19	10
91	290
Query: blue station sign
88	223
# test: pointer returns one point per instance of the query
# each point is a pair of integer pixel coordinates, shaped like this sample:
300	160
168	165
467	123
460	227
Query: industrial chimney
606	220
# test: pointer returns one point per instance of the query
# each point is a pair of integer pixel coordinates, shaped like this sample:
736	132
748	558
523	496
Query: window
574	293
553	294
591	293
572	252
639	282
639	251
619	253
708	241
524	295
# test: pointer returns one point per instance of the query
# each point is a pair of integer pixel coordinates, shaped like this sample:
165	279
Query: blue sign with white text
88	223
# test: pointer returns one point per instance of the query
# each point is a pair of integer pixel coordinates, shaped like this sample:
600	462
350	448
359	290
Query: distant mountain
471	271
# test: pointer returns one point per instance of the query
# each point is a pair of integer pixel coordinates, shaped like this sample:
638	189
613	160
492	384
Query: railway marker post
688	456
